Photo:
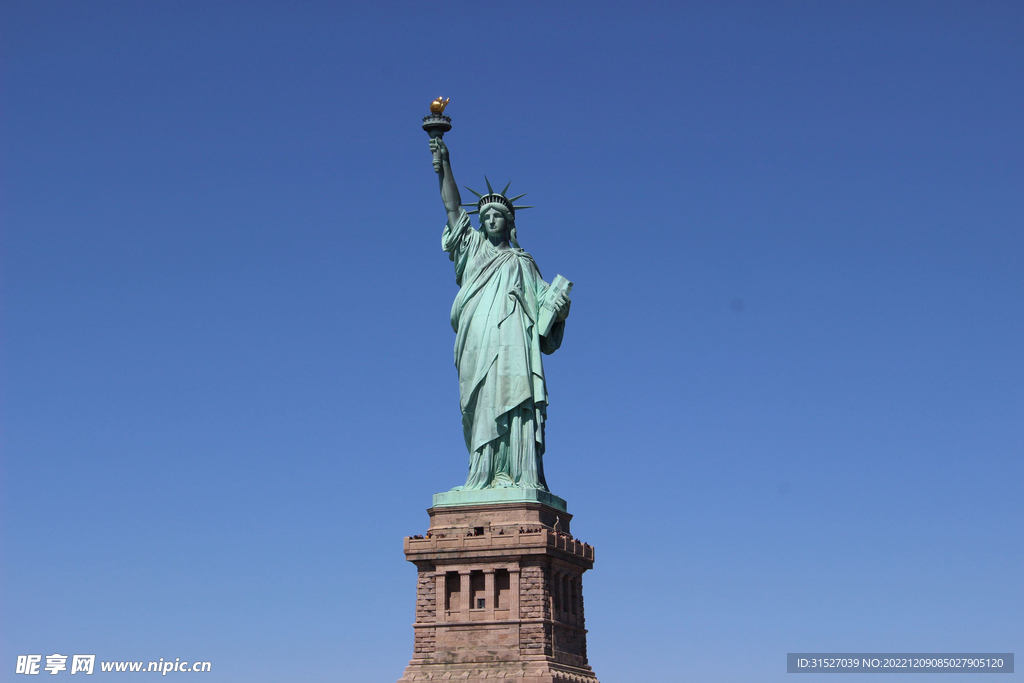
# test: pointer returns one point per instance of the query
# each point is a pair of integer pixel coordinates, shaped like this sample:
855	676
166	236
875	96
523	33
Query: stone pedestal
499	595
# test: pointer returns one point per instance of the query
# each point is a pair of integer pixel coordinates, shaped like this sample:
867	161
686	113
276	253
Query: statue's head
497	213
497	221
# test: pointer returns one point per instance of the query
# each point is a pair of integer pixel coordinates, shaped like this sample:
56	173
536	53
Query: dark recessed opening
452	584
502	591
477	594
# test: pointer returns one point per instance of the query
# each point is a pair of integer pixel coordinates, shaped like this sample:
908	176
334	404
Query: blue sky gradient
787	411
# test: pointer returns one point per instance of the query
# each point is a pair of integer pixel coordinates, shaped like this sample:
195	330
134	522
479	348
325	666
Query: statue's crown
493	197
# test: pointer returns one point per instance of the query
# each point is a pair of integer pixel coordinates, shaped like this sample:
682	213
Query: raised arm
449	190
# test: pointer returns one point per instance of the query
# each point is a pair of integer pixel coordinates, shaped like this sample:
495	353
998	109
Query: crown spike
490	189
506	189
479	196
518	196
522	207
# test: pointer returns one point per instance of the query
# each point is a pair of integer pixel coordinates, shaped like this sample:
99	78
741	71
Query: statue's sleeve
459	242
550	343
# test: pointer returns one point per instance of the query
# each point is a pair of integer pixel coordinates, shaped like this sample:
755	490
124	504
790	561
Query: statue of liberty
505	317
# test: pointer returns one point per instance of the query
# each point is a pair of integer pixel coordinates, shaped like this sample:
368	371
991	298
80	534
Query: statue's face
494	222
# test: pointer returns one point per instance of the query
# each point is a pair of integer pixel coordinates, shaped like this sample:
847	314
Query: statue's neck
498	241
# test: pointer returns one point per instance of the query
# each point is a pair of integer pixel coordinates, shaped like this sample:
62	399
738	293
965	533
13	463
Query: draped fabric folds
498	355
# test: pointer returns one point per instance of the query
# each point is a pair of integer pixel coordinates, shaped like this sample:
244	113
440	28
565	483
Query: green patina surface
505	318
503	495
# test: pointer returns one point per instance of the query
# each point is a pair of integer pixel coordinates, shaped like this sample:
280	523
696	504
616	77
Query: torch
436	125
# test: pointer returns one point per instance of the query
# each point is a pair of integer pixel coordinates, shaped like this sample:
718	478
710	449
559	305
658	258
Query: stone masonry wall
516	629
426	612
570	639
535	603
570	645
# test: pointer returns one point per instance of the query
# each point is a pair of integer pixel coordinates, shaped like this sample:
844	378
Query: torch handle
436	126
437	135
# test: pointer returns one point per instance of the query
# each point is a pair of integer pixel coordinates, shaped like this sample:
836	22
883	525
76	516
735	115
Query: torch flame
438	105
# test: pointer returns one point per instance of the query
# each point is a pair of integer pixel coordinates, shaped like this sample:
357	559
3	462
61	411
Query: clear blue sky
787	411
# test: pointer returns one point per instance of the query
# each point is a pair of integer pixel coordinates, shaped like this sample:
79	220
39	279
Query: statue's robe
498	356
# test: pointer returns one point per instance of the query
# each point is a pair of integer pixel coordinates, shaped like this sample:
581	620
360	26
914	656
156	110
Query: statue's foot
502	481
459	488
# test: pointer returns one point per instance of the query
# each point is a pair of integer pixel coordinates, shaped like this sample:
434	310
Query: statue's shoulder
526	257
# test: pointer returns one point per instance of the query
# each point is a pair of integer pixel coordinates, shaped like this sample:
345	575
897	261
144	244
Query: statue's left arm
553	340
562	304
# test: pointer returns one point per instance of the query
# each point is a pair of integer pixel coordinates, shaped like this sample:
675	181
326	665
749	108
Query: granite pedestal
499	593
